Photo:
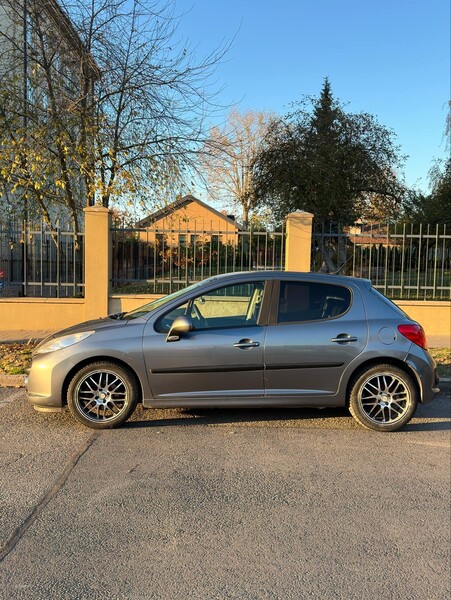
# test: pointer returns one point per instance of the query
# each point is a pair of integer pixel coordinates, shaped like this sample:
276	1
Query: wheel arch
400	364
95	359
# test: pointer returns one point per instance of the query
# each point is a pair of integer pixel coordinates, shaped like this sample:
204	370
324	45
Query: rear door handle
243	344
343	338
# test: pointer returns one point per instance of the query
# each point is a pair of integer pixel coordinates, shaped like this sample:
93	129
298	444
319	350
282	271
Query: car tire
383	398
102	395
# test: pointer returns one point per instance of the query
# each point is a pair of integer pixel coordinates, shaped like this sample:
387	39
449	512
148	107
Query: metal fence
157	260
39	261
403	261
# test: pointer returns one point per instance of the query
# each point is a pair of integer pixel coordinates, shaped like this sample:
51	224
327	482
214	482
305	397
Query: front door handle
343	338
243	344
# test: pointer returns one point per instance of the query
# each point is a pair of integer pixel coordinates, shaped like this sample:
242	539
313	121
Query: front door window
225	307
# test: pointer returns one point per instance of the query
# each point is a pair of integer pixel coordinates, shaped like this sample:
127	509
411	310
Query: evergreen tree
337	165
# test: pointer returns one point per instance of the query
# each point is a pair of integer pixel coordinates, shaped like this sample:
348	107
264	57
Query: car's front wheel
383	398
102	395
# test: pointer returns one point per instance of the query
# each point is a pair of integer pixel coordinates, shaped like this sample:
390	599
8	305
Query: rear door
316	330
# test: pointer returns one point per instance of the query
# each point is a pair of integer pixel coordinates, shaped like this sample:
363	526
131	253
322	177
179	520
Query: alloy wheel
384	398
102	396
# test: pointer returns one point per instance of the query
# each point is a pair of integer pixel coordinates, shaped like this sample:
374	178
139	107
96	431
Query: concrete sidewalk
439	341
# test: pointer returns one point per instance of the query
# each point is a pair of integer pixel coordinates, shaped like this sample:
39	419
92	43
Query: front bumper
44	381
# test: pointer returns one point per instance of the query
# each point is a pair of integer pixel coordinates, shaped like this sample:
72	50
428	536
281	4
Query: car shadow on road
428	426
433	417
232	416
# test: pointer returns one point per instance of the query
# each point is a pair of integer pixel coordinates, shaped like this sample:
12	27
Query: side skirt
279	401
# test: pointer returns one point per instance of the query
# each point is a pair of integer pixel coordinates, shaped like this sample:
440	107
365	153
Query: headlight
62	342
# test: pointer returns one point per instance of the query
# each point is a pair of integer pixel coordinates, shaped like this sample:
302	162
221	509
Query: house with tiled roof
188	220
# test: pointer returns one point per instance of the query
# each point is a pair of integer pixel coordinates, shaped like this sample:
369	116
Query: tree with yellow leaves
113	111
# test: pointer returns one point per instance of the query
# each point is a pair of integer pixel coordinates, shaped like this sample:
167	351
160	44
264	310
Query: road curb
12	380
445	385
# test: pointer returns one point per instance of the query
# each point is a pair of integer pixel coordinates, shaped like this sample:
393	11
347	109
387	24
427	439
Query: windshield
146	309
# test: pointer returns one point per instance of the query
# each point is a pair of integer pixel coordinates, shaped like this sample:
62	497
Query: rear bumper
428	397
425	370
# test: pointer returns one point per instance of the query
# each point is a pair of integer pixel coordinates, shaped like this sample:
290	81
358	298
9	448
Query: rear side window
388	302
308	301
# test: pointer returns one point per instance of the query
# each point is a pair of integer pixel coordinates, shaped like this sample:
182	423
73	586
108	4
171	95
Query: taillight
414	333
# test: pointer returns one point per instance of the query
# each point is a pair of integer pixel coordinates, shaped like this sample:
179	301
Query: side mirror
180	325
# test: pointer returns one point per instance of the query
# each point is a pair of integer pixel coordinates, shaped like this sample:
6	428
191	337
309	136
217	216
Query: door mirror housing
180	326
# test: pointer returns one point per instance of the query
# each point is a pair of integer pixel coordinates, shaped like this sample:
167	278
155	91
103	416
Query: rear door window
309	301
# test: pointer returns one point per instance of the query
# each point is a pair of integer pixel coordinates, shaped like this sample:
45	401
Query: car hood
95	324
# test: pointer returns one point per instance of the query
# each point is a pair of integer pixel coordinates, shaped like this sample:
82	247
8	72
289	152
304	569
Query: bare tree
229	156
115	108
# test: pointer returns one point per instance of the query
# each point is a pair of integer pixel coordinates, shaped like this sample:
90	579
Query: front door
220	360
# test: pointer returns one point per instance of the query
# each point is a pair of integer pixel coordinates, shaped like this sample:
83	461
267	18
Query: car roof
301	276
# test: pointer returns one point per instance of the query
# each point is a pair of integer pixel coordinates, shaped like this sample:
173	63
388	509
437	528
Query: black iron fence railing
158	260
37	260
403	261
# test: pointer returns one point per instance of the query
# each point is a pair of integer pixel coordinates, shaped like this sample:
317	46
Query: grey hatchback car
249	339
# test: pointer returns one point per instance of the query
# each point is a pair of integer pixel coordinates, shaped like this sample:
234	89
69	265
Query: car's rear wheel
102	395
383	398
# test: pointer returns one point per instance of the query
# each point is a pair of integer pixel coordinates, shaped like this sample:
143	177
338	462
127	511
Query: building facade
45	103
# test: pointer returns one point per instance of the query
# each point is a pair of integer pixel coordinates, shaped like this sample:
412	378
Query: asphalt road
268	504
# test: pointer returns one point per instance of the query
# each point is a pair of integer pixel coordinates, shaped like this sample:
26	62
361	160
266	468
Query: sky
390	58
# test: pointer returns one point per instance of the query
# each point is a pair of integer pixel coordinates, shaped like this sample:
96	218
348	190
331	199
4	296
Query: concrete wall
37	314
435	317
119	303
98	268
299	241
52	314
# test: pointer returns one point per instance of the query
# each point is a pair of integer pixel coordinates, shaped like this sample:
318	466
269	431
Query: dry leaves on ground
442	357
15	358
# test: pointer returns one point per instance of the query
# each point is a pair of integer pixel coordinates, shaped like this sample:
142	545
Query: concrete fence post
299	241
97	261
